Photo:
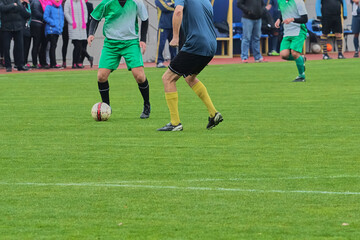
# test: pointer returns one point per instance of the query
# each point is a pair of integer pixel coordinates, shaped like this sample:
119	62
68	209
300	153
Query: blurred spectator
268	27
165	30
54	18
84	53
12	19
65	39
26	33
37	30
2	63
329	11
253	10
76	15
355	26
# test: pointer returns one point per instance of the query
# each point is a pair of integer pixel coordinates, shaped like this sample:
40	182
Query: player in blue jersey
196	17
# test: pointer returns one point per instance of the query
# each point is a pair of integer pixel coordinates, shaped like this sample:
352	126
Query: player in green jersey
122	40
294	15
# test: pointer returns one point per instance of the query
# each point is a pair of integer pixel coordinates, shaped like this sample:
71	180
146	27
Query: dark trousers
78	49
53	39
84	53
163	35
39	43
1	45
27	42
65	38
18	47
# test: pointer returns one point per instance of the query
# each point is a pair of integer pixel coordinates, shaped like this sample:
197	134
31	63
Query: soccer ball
329	47
101	111
316	48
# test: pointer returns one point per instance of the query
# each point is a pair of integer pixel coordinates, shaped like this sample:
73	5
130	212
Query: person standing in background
272	13
37	31
26	33
76	15
84	53
2	63
165	30
253	10
65	39
329	12
13	14
355	26
54	19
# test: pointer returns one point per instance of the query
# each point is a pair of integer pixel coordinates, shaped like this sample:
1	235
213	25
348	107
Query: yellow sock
202	93
172	100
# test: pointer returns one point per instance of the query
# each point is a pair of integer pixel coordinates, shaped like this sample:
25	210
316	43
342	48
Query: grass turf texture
280	166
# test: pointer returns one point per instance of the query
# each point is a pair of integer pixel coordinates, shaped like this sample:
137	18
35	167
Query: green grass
284	164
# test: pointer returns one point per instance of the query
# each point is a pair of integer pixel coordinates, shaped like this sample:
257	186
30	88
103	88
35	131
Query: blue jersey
198	27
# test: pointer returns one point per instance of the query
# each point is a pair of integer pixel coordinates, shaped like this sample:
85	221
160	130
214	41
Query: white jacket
78	33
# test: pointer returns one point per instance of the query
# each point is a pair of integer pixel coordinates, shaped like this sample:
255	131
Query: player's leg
103	84
300	64
200	90
109	61
132	54
339	44
338	30
169	79
285	54
326	28
355	27
248	26
356	44
159	59
296	47
143	84
285	48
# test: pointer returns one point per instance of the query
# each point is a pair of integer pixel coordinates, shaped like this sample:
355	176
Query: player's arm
177	19
92	29
278	21
143	33
301	19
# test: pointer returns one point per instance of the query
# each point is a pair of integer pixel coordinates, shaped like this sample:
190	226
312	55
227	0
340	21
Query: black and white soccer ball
101	111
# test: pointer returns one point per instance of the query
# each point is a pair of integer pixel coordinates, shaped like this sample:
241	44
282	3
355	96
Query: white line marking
178	188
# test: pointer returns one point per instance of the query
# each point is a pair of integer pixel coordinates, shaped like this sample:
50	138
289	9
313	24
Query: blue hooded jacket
54	18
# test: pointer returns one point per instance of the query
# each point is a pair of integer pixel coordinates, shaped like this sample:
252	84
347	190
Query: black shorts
186	64
331	24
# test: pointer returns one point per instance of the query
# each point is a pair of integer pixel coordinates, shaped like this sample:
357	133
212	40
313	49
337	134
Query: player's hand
143	47
90	39
277	23
174	42
288	20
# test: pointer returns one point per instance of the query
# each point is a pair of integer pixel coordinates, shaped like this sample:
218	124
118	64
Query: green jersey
120	22
293	9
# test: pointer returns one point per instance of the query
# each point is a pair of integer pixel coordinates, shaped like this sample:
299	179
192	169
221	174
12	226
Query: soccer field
284	163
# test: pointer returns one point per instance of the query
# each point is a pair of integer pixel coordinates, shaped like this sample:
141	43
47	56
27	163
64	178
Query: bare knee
139	74
295	54
284	56
103	75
